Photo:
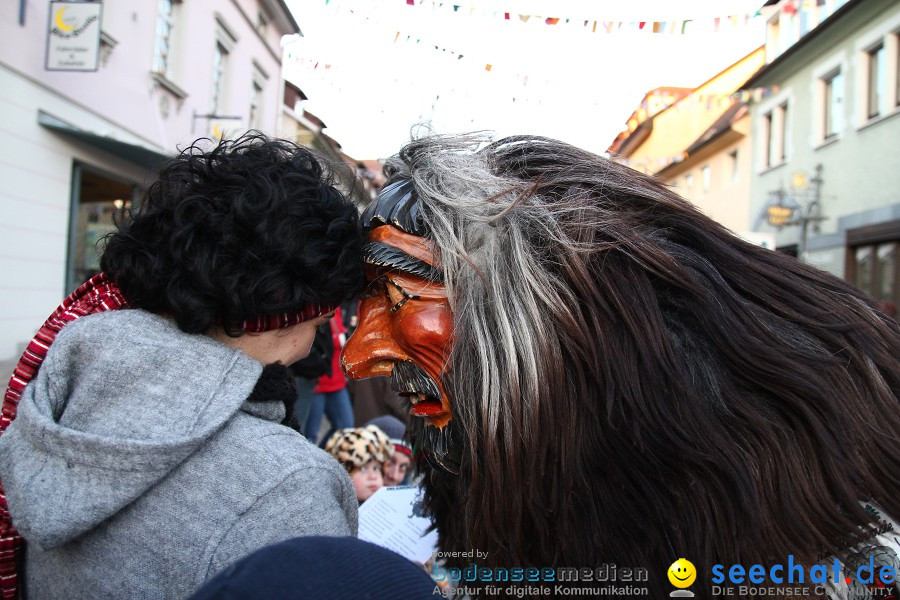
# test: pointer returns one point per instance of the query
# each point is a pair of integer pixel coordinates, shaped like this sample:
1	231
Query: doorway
99	201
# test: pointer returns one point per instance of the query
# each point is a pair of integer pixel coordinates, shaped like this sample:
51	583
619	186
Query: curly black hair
252	227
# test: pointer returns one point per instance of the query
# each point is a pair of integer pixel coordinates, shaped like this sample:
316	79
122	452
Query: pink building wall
123	90
42	199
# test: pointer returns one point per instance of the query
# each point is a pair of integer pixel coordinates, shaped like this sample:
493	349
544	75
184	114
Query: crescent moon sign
59	21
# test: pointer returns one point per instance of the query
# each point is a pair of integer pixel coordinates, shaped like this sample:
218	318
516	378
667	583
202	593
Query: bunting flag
710	102
587	26
755	94
715	23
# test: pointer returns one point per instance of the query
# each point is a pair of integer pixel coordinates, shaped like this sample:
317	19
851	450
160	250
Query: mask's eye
397	295
374	288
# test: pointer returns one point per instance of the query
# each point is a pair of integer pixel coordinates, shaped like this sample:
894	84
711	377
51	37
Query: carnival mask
405	323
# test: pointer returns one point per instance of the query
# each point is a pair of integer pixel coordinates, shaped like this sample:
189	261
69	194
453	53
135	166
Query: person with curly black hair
148	452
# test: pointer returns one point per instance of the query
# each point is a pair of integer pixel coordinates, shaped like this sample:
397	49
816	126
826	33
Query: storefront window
875	270
99	203
886	265
864	267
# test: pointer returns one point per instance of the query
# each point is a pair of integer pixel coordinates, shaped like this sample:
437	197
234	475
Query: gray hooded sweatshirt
135	468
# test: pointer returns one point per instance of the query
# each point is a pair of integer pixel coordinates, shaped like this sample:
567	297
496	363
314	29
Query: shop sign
73	36
778	215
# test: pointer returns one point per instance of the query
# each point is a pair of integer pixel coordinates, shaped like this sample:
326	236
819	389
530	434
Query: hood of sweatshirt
122	398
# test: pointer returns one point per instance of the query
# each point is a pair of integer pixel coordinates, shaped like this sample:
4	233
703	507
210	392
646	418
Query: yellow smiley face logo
682	573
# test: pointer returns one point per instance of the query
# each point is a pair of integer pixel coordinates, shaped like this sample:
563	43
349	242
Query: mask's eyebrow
382	255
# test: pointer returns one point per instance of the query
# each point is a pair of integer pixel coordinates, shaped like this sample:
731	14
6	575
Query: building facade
700	145
79	147
361	180
826	174
714	173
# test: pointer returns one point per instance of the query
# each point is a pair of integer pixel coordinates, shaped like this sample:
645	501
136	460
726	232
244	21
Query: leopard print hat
355	446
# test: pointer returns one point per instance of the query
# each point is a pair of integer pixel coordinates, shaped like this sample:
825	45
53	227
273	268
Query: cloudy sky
373	69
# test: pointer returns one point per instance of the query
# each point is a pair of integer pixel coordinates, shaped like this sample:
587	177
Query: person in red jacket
331	396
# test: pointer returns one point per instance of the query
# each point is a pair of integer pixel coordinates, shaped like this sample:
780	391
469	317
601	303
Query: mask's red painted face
405	323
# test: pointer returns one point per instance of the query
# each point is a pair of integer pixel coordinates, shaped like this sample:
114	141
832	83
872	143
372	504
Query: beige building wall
677	127
726	196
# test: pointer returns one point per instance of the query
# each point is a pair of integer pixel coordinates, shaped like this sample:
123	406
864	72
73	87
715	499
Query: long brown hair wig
632	383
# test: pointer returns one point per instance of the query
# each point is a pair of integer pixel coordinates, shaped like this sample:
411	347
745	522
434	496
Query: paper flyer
392	518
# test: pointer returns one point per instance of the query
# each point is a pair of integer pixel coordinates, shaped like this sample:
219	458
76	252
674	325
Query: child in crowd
397	471
364	452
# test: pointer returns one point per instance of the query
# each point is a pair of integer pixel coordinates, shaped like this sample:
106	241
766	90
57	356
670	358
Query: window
733	159
782	132
873	260
689	181
218	76
875	269
886	271
877	74
805	24
863	275
162	50
255	97
833	85
775	136
707	177
878	55
773	39
262	21
99	201
897	67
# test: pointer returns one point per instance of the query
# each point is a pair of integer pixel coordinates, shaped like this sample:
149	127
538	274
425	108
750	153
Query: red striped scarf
96	296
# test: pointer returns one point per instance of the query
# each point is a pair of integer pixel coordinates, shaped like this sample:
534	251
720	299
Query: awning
140	155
